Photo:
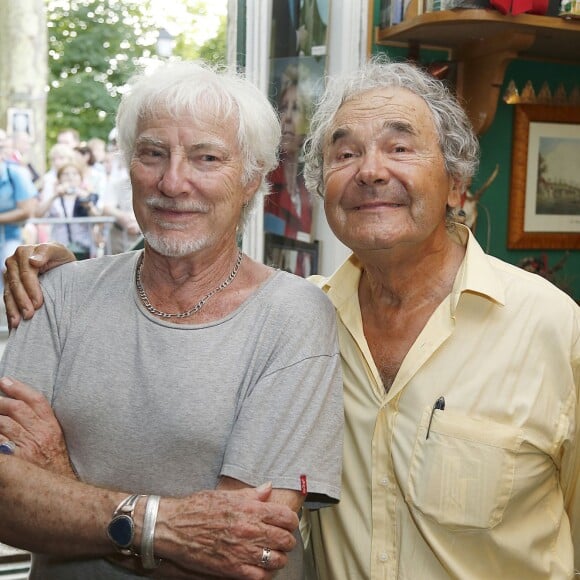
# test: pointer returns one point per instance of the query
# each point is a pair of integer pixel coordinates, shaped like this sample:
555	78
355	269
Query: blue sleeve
23	187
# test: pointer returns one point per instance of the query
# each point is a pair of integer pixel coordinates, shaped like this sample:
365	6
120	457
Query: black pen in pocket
440	406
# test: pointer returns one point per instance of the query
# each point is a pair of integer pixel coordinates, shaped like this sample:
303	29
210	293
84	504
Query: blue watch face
121	530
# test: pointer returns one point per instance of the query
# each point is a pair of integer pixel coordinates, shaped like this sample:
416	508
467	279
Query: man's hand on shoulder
22	292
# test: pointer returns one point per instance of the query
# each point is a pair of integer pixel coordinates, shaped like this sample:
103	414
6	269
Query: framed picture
20	121
545	181
290	255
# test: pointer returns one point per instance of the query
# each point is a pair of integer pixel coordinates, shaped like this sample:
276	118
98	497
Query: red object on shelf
503	6
520	6
539	7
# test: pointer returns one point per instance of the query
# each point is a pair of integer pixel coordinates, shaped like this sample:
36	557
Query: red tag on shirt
303	485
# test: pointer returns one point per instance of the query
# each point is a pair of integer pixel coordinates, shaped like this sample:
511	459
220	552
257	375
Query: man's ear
252	187
455	191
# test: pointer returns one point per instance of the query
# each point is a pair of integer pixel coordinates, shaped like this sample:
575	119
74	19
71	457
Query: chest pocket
462	475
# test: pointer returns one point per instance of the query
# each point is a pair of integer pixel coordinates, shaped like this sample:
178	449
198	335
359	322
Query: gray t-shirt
148	406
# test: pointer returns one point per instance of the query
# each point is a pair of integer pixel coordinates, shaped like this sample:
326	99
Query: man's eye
209	158
346	155
150	153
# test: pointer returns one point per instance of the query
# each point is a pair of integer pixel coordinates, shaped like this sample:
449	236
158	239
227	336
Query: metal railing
92	220
105	248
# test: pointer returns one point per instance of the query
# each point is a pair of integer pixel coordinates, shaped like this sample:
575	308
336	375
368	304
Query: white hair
457	140
182	88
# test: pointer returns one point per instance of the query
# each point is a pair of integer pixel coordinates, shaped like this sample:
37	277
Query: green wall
496	146
496	143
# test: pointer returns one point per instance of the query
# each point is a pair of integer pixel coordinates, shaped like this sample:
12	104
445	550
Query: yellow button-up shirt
485	488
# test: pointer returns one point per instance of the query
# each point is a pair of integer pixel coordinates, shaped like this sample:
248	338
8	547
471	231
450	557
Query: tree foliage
193	23
215	49
94	46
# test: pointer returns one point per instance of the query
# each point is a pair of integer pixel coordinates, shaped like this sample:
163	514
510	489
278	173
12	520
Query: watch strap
121	528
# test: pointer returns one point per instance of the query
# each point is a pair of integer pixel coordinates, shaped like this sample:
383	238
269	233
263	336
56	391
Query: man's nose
372	169
176	178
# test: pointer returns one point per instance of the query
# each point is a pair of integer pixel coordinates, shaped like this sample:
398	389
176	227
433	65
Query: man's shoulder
522	285
318	280
20	180
299	294
297	284
15	170
87	272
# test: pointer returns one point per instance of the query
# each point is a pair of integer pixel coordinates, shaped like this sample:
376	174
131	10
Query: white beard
165	243
169	246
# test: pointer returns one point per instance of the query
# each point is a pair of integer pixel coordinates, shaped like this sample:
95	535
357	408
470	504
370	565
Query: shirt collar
341	286
475	275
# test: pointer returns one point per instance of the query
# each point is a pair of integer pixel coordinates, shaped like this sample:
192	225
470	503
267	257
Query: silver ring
7	448
266	555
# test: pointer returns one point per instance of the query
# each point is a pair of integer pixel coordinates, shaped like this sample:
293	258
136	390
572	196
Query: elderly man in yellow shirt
461	372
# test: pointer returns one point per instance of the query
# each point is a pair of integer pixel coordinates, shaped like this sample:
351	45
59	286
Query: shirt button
384	481
384	557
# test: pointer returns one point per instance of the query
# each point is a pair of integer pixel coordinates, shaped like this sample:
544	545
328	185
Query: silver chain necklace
195	309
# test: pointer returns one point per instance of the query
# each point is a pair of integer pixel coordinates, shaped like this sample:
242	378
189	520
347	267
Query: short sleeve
290	426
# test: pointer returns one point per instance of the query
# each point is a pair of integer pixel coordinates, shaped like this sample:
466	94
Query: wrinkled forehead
380	105
381	101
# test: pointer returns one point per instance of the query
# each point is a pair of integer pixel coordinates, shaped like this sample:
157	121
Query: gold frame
518	238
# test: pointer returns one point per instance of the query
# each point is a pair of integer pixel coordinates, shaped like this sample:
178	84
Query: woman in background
71	198
289	200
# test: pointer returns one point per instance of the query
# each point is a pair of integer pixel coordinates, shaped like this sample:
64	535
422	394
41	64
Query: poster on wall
294	256
20	121
293	88
299	28
297	67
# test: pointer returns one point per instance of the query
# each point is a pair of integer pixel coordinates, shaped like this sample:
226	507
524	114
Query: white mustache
179	206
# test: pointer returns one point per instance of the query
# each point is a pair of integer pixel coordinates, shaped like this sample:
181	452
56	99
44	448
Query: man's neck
410	277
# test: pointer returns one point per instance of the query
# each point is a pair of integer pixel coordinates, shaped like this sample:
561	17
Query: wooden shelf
484	42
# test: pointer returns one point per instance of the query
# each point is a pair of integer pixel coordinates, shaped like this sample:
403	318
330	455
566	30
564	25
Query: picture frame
20	121
544	209
290	255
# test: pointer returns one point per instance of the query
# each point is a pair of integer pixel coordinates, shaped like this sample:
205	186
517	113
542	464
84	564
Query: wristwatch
121	528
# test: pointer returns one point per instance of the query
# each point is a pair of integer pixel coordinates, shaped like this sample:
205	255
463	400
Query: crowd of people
84	179
218	417
17	199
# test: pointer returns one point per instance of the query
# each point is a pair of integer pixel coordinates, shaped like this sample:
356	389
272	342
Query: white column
258	24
